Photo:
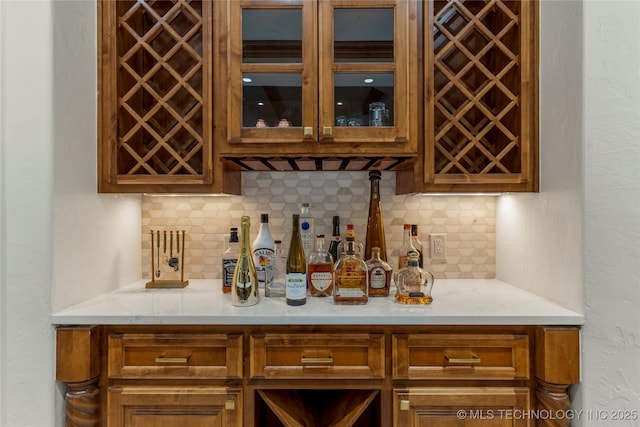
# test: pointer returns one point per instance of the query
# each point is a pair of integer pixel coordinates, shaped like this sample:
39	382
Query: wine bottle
375	225
229	260
320	270
263	247
244	288
335	238
296	286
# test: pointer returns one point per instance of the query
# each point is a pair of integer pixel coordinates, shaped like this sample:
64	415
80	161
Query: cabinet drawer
317	356
133	355
461	356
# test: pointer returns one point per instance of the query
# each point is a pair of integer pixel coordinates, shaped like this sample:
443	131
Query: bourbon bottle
351	279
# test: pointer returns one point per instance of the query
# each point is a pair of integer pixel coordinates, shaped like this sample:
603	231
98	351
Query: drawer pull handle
311	360
467	360
172	359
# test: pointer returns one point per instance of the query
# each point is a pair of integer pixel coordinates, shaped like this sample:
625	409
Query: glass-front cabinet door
311	77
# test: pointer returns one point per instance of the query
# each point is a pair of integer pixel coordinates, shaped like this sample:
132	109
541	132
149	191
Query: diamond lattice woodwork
481	105
160	103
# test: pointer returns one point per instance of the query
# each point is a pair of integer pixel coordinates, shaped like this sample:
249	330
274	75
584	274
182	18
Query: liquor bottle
320	270
413	283
276	286
244	288
351	279
335	238
296	271
415	240
358	246
407	248
229	260
306	230
375	225
263	250
379	272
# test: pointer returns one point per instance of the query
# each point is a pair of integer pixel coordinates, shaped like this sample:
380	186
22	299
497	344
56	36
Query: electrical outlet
438	248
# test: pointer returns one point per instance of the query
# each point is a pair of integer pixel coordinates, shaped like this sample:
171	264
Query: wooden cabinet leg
83	404
553	399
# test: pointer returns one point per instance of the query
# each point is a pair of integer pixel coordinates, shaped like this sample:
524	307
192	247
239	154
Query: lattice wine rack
159	90
480	116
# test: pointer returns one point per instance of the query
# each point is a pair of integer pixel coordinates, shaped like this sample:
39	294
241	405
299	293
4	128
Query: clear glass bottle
263	250
375	224
276	286
413	284
335	238
244	290
229	260
296	285
417	243
320	270
406	249
351	279
379	272
307	232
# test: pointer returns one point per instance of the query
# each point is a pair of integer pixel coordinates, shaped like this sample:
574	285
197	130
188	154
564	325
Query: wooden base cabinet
322	375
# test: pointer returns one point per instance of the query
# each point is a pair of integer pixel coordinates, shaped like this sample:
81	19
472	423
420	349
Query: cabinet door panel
149	406
462	407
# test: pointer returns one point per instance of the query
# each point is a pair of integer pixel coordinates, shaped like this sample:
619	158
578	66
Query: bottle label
351	292
305	225
321	280
378	278
262	259
228	267
296	287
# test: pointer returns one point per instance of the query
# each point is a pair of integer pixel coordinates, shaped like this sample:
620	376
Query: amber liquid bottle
296	277
320	270
375	225
351	284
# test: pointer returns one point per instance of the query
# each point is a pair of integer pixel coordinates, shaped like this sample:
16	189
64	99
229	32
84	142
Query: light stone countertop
455	302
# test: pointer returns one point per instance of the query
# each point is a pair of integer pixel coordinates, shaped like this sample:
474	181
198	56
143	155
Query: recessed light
339	103
260	104
368	81
247	79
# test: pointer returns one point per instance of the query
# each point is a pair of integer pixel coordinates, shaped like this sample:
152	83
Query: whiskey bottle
244	288
351	280
379	272
320	270
406	249
413	283
375	225
335	238
275	287
229	260
296	277
263	250
415	240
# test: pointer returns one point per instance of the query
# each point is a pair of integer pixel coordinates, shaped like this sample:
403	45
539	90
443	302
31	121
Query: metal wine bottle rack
167	259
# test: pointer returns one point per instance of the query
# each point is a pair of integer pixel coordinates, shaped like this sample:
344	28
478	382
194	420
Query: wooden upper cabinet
319	78
155	97
481	98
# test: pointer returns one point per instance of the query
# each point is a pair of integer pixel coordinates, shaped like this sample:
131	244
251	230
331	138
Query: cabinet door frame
527	179
109	139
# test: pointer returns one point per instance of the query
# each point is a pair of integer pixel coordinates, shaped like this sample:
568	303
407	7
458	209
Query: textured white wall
611	336
539	236
59	236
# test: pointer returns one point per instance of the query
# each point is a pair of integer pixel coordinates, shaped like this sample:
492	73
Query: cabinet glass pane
364	99
271	99
271	35
363	35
